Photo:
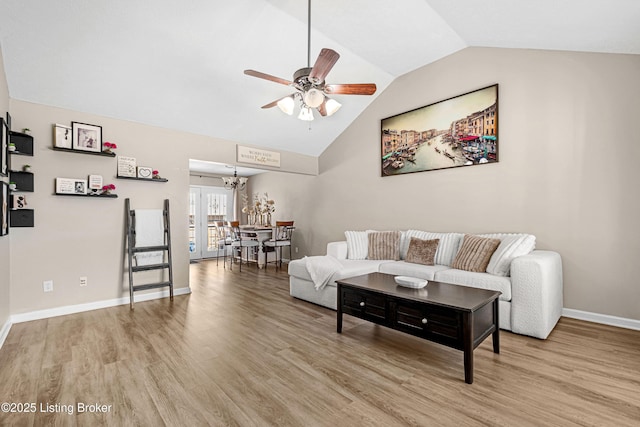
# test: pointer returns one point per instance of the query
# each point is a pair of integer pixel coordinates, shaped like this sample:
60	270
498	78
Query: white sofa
530	304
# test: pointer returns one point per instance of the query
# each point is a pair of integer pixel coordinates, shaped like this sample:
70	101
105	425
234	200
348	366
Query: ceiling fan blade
351	89
274	103
269	77
322	109
325	62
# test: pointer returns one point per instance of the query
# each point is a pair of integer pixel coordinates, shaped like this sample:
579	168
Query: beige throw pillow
384	245
422	251
475	253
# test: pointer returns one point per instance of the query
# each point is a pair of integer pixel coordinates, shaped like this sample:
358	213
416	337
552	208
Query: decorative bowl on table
411	282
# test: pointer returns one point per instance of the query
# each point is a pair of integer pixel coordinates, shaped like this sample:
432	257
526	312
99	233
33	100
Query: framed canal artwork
459	131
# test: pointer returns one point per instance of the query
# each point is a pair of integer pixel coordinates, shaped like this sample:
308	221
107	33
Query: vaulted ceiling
179	64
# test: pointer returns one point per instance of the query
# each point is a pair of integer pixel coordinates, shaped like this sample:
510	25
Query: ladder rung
150	248
151	286
150	267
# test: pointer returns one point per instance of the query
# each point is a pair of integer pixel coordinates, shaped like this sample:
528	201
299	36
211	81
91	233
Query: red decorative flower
110	145
155	172
108	187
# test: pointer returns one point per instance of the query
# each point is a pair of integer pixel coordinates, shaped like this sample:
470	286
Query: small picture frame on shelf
4	148
86	137
145	172
95	184
62	136
4	206
127	166
18	201
71	186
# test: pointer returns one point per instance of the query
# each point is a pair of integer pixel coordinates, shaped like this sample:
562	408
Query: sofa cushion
475	253
403	268
511	246
476	280
422	251
447	247
384	245
350	268
357	244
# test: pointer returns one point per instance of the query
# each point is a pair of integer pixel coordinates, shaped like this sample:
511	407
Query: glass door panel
207	205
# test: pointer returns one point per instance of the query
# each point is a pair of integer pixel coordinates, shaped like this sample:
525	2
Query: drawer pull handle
424	321
362	304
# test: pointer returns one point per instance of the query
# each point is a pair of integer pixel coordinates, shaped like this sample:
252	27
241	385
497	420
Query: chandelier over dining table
235	182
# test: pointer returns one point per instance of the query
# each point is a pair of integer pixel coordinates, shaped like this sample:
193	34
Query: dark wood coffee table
456	316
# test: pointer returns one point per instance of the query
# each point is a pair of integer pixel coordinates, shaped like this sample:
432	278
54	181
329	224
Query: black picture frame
4	209
86	137
4	148
458	131
8	120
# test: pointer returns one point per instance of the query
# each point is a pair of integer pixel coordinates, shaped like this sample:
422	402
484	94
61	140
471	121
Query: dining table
261	233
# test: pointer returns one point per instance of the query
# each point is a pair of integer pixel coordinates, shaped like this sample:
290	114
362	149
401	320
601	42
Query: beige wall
76	237
567	174
568	168
5	245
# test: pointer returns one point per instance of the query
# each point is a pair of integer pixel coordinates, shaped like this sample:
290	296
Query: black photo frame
4	209
4	148
86	137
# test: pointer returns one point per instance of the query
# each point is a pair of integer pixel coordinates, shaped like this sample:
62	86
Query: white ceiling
179	64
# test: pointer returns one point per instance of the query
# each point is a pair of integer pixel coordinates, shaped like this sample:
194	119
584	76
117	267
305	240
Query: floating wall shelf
143	179
101	196
23	143
21	217
95	153
23	180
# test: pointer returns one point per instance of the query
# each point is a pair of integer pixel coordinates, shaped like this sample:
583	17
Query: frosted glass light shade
286	105
313	98
305	114
332	106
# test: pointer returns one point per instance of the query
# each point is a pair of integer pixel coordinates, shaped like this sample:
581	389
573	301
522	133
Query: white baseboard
78	308
604	319
4	332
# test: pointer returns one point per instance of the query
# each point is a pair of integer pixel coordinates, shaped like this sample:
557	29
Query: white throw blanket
149	232
321	269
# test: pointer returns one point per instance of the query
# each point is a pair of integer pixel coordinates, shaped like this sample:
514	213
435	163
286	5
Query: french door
206	205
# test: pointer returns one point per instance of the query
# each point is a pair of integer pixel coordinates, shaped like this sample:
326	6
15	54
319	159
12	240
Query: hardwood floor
240	351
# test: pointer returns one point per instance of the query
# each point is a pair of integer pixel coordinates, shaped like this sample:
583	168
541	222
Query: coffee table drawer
428	321
364	304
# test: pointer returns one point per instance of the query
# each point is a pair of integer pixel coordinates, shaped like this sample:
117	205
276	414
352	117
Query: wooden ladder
132	250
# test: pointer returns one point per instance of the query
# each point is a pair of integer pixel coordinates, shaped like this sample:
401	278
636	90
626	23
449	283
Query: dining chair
283	234
238	241
223	237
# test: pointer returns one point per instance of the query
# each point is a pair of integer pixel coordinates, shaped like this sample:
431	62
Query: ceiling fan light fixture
313	98
305	114
332	106
286	105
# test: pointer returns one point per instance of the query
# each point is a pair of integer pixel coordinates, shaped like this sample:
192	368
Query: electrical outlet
296	249
83	281
47	286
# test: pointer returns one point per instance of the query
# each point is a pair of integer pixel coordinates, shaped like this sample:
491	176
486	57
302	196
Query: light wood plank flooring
240	351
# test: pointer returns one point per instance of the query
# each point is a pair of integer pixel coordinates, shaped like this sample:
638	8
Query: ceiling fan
311	88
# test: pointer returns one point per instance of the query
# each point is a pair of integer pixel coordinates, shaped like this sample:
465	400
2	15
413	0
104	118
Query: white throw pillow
357	244
511	246
404	243
447	248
